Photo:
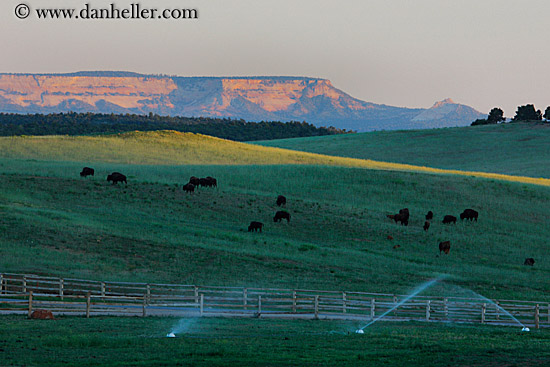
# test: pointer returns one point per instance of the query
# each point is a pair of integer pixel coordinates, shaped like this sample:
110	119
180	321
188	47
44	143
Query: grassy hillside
515	149
175	148
54	222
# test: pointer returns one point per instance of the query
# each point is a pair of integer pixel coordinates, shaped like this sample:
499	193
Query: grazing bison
189	187
281	200
529	261
87	171
402	216
449	219
204	182
280	215
470	214
445	246
116	177
426	225
430	215
208	182
195	181
42	315
212	182
255	226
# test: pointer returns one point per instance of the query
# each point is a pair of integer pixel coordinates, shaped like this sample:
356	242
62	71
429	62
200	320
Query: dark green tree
547	113
527	113
495	116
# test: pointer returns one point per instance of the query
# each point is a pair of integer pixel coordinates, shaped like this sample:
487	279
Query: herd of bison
255	226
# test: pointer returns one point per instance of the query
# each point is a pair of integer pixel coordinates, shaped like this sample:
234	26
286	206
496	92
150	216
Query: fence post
196	290
343	302
103	290
294	304
30	304
148	294
549	312
24	286
372	308
483	307
498	309
259	306
88	305
446	307
144	305
428	310
1	283
245	298
316	307
202	304
537	316
61	285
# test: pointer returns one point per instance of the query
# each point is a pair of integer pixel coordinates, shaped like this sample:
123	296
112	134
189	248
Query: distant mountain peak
449	111
443	102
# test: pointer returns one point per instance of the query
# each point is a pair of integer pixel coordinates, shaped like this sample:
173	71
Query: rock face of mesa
251	98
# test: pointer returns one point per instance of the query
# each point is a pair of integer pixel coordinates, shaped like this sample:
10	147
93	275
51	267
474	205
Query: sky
481	53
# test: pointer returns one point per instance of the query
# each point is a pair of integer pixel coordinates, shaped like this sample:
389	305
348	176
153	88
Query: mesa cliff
251	98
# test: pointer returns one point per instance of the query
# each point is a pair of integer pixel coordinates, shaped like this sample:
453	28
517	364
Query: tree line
72	123
523	113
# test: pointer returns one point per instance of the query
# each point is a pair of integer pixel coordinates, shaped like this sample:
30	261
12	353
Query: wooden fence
21	293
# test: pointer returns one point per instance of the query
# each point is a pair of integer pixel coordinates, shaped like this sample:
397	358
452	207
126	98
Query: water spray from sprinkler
171	335
414	293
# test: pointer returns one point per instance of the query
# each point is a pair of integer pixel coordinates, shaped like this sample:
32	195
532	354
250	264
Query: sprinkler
359	331
525	329
171	335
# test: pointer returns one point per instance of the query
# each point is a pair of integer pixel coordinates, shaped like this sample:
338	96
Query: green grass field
515	149
53	222
255	342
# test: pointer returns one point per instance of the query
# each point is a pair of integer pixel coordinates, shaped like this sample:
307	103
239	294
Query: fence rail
21	293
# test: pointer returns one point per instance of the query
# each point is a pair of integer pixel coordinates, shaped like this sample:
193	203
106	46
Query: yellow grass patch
175	148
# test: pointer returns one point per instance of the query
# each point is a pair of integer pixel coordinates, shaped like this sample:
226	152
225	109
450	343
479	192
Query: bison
195	181
87	171
212	181
402	217
449	219
281	200
280	215
469	214
208	182
445	246
116	177
529	261
426	225
255	226
430	215
189	187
